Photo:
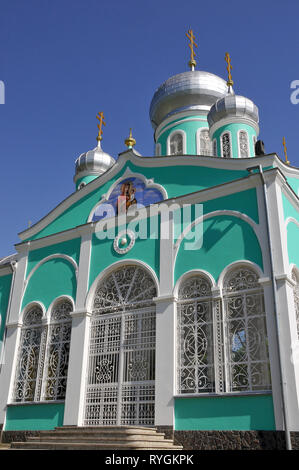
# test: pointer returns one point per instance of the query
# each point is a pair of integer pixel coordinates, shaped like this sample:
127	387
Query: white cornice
154	162
5	269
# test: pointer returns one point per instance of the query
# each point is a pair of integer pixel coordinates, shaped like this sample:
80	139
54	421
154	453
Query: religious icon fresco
129	194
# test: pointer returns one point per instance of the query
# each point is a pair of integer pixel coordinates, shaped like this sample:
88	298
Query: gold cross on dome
191	37
285	150
229	68
101	118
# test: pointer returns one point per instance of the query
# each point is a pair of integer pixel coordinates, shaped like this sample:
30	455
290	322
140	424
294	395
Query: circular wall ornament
124	241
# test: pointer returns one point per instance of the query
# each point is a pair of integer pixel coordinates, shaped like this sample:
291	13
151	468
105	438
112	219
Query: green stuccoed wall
35	417
234	129
243	413
5	285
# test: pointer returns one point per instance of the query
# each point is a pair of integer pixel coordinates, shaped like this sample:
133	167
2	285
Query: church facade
164	290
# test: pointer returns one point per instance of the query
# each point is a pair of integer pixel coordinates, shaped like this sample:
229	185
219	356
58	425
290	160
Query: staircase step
94	446
93	437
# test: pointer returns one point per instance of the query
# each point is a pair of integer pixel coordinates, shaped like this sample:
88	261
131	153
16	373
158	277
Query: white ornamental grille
205	143
176	144
195	337
226	151
57	352
247	360
121	369
30	358
243	143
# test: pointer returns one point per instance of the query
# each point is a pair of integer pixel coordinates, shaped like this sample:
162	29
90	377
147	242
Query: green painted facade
5	285
37	417
177	181
190	126
248	412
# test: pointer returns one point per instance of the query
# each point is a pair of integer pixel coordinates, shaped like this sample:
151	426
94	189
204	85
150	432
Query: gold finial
229	68
191	37
285	150
130	141
101	118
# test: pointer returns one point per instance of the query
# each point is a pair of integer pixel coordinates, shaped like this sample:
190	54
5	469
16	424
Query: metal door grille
121	377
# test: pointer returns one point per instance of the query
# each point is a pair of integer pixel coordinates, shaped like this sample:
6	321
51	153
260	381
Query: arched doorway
121	368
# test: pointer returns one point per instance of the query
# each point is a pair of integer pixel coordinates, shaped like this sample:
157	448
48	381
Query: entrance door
121	370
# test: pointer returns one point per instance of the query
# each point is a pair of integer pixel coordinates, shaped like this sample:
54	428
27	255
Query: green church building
164	291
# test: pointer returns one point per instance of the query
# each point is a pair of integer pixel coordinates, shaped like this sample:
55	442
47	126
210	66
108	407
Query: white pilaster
165	328
78	359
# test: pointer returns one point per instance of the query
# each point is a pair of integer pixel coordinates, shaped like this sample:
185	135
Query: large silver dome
93	162
193	90
233	106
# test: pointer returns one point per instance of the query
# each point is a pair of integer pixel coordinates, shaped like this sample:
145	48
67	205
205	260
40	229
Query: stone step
102	430
94	446
93	437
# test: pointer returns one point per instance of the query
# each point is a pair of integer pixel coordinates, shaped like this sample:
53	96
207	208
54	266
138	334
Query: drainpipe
282	381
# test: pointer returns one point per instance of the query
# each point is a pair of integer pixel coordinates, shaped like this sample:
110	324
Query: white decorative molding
175	120
234	120
149	183
184	137
239	264
120	237
55	301
230	144
30	306
239	143
239	215
191	273
48	258
112	267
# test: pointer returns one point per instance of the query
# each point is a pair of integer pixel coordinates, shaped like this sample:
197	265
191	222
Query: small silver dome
233	106
193	90
93	162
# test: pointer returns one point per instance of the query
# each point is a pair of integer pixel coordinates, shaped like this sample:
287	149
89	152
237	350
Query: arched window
204	143
295	277
176	144
215	147
195	337
247	361
121	369
254	142
57	352
243	144
226	145
29	364
158	150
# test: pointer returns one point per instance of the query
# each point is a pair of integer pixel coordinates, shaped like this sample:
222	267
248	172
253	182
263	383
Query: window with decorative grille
176	144
195	337
43	354
121	371
243	144
246	353
222	350
226	145
57	352
205	147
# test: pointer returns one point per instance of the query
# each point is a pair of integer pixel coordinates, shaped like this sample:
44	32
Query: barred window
243	144
57	353
226	145
215	148
195	337
32	341
176	144
247	361
43	354
204	142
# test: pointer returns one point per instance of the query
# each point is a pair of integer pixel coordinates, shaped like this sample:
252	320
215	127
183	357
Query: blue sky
62	61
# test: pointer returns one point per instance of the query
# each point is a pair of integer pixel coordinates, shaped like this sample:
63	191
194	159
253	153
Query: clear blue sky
62	61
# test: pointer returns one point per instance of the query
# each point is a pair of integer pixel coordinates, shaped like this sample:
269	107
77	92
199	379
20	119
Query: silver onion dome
233	106
193	90
93	162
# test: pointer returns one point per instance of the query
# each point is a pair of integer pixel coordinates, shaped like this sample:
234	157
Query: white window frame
230	143
183	134
158	149
198	146
239	142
